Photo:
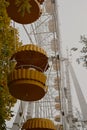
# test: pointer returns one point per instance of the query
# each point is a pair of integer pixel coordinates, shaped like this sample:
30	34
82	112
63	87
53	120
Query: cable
27	34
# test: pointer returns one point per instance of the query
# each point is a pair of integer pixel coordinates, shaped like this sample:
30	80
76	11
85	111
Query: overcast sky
73	21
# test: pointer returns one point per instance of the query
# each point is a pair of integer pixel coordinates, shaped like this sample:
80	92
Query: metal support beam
81	99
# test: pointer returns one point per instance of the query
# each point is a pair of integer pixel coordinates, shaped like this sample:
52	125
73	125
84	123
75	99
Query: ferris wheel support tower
81	99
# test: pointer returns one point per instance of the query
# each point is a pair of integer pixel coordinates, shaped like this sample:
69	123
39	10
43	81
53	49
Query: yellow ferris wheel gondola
38	124
31	56
24	11
27	84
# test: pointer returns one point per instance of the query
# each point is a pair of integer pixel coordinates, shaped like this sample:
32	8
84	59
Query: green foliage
4	20
23	6
83	40
9	42
83	56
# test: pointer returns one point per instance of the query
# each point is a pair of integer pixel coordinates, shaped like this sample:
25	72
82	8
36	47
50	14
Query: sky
72	21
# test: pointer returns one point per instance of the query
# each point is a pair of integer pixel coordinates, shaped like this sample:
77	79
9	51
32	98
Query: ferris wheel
40	61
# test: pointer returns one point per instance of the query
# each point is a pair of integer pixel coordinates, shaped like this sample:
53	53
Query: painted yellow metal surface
27	84
38	123
31	56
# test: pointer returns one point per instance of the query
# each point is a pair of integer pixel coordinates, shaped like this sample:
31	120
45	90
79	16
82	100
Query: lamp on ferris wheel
57	106
56	83
38	124
51	25
54	45
40	1
24	11
57	99
59	127
31	56
27	84
57	118
56	64
49	6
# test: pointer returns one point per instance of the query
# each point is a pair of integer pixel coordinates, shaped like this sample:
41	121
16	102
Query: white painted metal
70	111
81	99
20	116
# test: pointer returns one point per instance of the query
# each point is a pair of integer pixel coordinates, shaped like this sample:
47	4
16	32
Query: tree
9	42
83	40
83	51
